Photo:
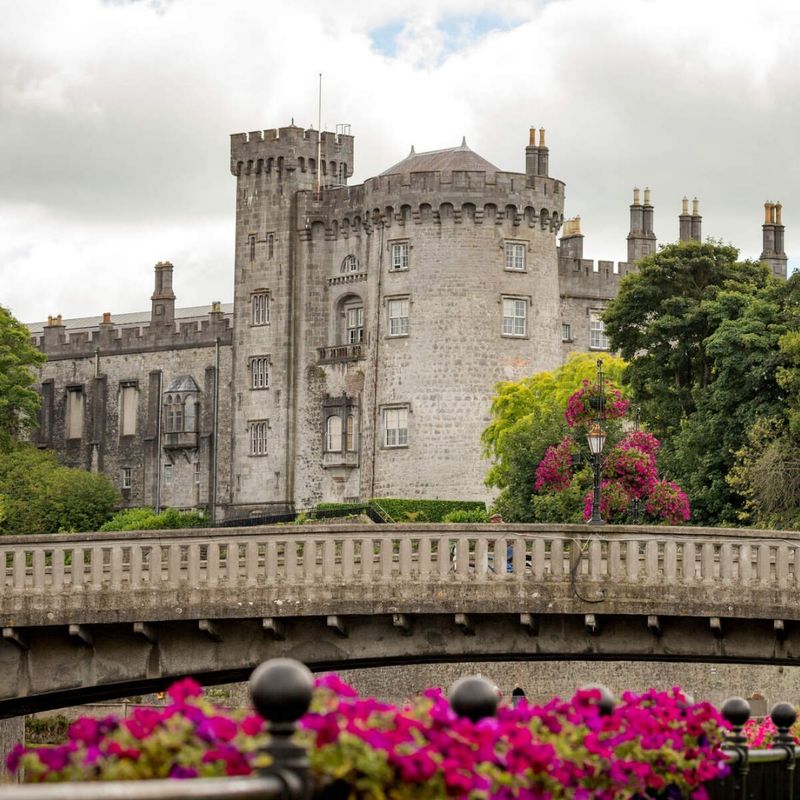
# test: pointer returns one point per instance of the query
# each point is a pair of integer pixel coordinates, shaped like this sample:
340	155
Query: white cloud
116	119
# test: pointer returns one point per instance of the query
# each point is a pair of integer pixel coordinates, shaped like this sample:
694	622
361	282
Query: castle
369	326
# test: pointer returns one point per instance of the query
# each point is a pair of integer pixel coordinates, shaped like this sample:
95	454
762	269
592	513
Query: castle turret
641	239
772	233
163	298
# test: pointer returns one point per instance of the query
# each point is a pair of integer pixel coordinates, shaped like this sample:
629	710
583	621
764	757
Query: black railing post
736	711
784	716
281	692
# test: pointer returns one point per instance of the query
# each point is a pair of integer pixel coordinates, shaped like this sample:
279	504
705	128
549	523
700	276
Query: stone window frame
270	245
346	409
403	329
258	434
80	390
512	333
354	323
260	300
196	472
404	260
129	383
401	440
511	250
597	331
259	367
126	478
566	332
168	474
251	244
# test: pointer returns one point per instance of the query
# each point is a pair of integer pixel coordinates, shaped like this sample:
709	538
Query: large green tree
19	402
528	417
700	331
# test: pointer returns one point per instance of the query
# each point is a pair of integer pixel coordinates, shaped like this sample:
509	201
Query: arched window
333	434
350	264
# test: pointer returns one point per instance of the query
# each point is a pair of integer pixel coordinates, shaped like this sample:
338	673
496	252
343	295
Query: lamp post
596	437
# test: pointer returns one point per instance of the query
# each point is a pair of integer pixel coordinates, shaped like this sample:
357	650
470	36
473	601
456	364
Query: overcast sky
115	116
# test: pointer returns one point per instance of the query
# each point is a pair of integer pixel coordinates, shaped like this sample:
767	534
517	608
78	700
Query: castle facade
368	328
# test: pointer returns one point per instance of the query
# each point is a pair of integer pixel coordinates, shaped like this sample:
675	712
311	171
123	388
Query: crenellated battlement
108	339
435	197
584	277
277	151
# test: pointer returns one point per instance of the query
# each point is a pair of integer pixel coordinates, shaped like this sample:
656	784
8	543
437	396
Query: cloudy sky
115	116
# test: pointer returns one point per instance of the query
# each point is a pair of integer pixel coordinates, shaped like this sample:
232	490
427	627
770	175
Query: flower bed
657	744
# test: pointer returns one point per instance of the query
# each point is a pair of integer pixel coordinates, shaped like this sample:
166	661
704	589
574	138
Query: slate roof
448	160
132	319
183	383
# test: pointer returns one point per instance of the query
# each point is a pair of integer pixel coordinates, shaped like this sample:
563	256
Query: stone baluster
632	560
745	564
671	561
271	562
443	557
707	563
251	562
367	559
193	564
153	570
329	558
20	569
348	559
689	561
595	559
425	557
520	557
406	558
481	558
501	557
97	566
726	562
782	565
232	563
462	557
615	567
387	558
38	569
174	565
57	574
116	567
539	555
212	565
763	563
651	561
76	569
557	557
291	563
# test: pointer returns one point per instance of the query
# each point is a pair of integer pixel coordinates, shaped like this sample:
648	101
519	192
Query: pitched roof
183	383
448	160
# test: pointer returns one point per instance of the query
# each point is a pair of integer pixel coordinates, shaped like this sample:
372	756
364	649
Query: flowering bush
615	500
762	733
554	472
583	405
657	743
669	502
633	468
643	441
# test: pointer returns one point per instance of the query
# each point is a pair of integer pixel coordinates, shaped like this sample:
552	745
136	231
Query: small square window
398	316
399	255
395	427
515	256
515	316
126	475
597	332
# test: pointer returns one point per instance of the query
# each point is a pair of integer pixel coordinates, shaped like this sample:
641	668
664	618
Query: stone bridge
93	616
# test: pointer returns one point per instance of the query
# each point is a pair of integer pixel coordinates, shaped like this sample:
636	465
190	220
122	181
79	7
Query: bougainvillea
653	744
554	472
669	502
615	500
583	406
634	469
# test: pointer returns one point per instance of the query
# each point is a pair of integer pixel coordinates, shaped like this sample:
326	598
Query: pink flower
554	472
182	690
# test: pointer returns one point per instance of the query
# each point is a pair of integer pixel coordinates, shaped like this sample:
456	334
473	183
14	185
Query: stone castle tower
392	309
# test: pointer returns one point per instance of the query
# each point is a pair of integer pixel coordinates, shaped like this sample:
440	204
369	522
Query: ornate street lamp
596	437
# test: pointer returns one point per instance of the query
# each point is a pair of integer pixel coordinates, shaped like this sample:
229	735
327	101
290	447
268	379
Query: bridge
93	616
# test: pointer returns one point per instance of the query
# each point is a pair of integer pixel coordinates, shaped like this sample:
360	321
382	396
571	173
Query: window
350	264
350	434
258	437
400	255
196	473
259	372
190	415
174	409
398	317
566	332
128	405
167	474
597	335
355	324
126	479
395	427
252	242
74	412
260	308
515	256
270	245
333	434
515	316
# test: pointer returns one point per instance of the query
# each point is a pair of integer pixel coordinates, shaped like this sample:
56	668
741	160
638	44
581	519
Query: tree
19	403
527	417
701	333
38	495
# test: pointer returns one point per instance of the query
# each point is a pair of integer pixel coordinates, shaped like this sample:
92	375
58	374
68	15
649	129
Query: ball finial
736	710
281	689
473	698
784	715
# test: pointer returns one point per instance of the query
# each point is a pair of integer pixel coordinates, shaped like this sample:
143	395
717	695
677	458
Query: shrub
656	744
400	510
145	519
462	515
